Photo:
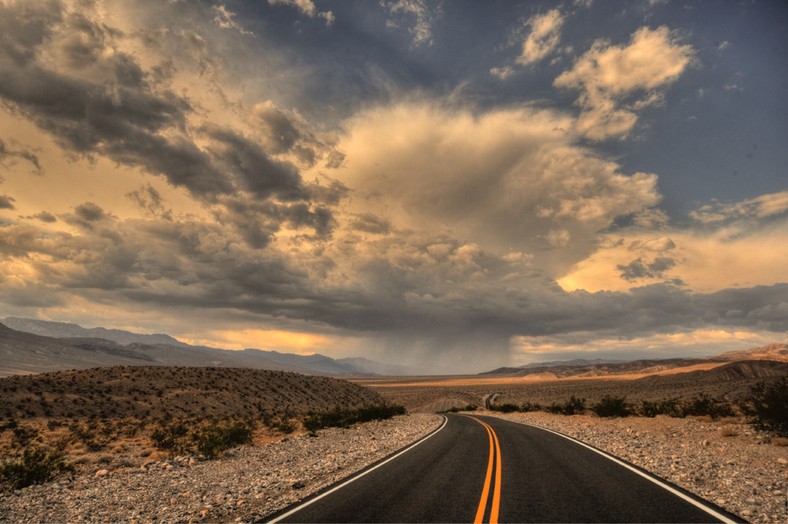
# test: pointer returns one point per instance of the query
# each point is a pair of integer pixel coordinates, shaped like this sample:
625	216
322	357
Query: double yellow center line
495	459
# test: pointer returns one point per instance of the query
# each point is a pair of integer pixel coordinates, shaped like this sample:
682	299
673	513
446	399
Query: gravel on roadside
246	484
726	462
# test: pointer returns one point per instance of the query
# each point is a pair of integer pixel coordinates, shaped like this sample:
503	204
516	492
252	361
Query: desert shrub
573	406
505	408
35	466
531	406
611	406
469	407
704	405
285	426
342	418
213	439
86	435
170	437
767	405
24	435
670	407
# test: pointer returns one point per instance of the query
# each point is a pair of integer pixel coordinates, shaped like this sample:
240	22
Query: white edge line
643	474
363	473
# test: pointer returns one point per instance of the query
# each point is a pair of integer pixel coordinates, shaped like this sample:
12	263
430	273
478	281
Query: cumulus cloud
502	73
544	36
616	81
416	10
10	155
723	249
307	8
505	179
764	206
95	98
7	202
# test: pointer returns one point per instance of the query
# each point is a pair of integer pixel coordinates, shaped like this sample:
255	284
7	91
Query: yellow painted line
486	490
495	458
496	505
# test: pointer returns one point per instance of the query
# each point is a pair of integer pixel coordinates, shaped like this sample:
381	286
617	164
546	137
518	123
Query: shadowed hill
24	352
164	392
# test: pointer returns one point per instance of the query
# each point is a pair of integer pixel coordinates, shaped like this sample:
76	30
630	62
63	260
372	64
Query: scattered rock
247	484
747	479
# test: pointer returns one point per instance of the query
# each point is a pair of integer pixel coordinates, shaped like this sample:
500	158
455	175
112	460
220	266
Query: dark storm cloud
99	101
7	202
89	212
45	216
151	202
370	223
260	174
14	153
638	269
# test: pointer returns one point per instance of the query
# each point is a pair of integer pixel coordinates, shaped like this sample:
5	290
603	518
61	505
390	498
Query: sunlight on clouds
273	339
705	260
504	179
697	343
543	38
610	77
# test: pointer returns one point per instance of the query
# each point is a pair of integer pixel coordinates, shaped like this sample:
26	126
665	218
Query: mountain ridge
25	352
582	368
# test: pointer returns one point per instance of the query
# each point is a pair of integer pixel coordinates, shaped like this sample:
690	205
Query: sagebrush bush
611	406
669	407
36	466
573	406
767	405
704	405
505	408
342	418
214	439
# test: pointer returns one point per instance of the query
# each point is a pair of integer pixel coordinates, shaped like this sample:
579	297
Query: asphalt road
486	469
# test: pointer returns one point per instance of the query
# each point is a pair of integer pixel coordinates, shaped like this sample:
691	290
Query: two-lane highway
485	469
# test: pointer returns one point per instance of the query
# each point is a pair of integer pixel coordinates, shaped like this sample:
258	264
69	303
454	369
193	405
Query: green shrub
213	439
170	437
668	407
35	466
343	418
469	407
704	405
531	406
505	408
573	406
768	405
24	435
611	406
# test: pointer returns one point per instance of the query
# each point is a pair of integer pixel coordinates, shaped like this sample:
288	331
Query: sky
453	185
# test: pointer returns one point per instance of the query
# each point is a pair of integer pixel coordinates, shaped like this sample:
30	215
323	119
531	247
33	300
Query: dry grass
104	418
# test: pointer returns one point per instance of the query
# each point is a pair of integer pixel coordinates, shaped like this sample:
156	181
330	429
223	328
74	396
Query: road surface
485	469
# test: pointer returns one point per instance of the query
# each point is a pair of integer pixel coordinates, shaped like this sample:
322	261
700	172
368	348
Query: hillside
582	368
68	330
778	352
177	392
25	352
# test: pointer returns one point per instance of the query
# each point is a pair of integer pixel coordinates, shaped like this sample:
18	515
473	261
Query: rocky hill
778	352
174	392
581	368
25	352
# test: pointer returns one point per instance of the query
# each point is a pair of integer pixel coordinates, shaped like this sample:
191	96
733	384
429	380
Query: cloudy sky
453	185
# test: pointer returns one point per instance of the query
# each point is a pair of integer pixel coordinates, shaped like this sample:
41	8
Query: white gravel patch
725	462
247	484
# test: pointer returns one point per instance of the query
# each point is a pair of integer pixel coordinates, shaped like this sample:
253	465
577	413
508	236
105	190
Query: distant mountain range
582	368
37	346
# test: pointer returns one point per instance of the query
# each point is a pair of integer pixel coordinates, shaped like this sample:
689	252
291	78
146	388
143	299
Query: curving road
485	469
